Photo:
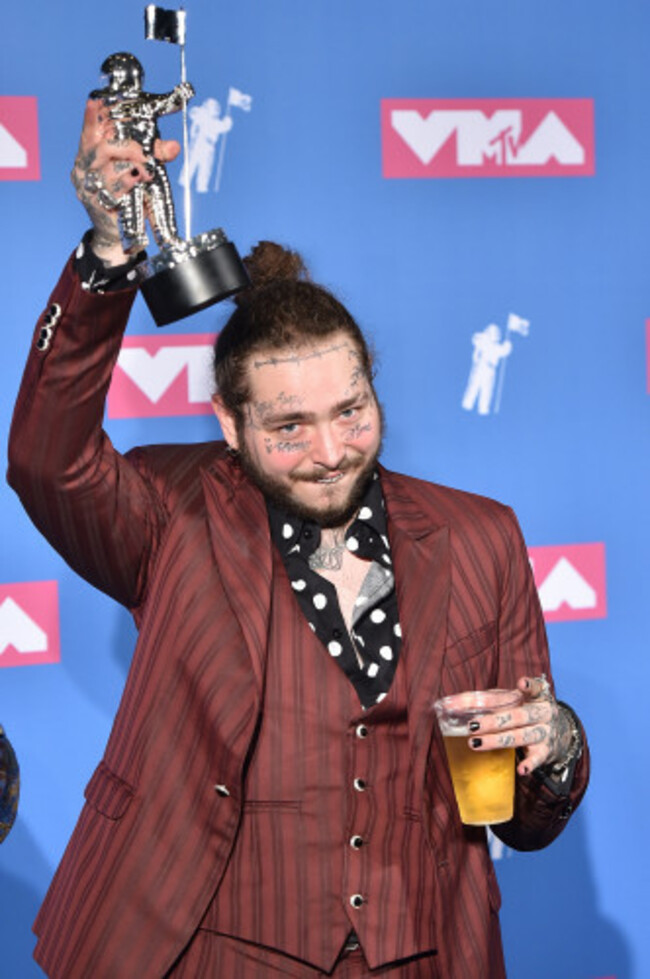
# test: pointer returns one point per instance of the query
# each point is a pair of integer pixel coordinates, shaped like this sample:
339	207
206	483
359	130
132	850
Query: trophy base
186	276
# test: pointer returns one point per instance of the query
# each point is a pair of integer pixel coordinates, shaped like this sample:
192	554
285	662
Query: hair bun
269	262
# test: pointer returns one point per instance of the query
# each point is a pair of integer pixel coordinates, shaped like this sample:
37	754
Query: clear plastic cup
484	781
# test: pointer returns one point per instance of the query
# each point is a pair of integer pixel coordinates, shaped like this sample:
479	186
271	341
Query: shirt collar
367	534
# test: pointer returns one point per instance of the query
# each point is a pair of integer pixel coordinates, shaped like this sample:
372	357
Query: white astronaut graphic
207	128
488	365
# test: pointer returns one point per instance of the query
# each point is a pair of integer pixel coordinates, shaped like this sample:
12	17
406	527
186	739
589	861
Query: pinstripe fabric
221	957
292	864
177	535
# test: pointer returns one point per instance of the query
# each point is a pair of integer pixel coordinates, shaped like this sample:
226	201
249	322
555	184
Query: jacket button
356	900
360	784
54	311
362	731
356	842
221	790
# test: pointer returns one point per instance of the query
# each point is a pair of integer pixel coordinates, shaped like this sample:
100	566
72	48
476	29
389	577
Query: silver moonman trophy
188	273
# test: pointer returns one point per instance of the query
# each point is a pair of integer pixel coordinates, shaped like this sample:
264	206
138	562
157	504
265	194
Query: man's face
311	431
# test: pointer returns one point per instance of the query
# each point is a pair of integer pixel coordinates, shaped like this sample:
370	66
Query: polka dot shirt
368	654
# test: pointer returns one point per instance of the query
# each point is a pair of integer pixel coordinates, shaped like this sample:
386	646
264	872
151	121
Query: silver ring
106	200
93	181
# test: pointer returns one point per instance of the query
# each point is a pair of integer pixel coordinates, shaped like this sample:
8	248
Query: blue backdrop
426	263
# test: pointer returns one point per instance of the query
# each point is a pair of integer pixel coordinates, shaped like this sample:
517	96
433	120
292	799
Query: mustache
315	476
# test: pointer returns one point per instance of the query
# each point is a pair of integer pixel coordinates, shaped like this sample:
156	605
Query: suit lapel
240	539
421	557
241	543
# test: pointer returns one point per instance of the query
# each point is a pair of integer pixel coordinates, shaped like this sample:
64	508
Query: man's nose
328	448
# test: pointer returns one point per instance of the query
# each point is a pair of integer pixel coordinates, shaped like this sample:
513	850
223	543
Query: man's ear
226	420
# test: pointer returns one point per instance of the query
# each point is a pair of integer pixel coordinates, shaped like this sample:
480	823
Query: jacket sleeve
95	506
542	807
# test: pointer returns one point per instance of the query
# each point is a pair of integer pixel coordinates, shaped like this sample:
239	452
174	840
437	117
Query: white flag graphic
240	100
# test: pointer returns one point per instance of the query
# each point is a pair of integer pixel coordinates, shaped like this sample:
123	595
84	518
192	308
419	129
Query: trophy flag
187	274
164	25
169	25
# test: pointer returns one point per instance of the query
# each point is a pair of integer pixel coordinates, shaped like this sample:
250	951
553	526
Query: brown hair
282	308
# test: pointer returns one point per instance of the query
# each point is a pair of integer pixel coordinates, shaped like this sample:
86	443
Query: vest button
360	784
356	842
356	901
362	731
221	790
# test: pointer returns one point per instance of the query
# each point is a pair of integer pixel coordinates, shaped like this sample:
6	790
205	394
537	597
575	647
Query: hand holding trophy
188	273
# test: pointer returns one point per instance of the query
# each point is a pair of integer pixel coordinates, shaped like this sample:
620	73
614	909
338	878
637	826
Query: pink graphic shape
29	623
417	144
163	376
19	143
571	581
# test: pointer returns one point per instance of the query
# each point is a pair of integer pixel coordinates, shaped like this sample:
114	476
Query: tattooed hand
539	727
104	170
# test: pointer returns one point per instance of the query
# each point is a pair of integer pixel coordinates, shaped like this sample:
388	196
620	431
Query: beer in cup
484	781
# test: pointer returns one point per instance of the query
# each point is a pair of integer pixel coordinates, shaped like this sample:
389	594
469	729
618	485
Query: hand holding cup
537	725
482	729
484	783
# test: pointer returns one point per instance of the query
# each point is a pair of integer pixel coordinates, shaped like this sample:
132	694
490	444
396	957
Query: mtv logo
29	623
487	137
19	153
571	581
163	376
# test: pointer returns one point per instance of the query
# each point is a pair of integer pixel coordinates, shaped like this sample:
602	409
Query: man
274	799
9	785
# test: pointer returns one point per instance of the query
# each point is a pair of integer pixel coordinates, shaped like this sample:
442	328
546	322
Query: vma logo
19	156
487	137
163	376
29	623
571	581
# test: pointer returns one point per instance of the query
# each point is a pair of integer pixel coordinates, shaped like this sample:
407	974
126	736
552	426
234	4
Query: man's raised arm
98	509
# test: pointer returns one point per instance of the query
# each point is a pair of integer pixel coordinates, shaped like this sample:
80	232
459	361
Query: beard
282	494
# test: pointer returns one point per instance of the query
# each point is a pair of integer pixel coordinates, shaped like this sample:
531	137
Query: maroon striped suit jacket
179	536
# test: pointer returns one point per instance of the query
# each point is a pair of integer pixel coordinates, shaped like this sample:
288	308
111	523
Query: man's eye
349	412
289	429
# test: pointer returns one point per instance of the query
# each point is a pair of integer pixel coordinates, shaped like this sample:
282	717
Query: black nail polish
135	172
476	742
474	725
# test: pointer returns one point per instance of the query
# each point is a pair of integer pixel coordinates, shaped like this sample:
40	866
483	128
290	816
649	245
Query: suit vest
326	843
